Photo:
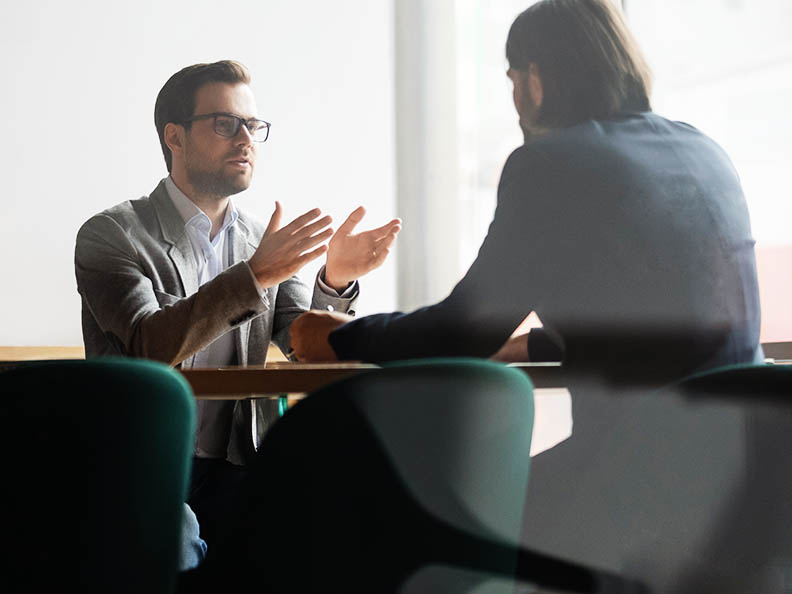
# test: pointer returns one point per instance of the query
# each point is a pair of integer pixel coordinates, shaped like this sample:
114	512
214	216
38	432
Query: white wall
79	84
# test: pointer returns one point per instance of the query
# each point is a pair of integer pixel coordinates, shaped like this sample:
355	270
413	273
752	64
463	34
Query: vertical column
426	150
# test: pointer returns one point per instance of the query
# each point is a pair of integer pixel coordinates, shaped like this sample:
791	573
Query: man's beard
528	116
215	183
532	131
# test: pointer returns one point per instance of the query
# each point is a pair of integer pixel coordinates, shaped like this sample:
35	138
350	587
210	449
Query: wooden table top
274	379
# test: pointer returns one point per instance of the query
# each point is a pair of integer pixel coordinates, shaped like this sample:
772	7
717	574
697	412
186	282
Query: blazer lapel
175	233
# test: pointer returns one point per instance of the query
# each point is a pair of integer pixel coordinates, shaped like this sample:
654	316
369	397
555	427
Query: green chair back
746	382
98	466
409	479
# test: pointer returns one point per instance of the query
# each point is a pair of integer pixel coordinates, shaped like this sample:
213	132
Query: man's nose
243	136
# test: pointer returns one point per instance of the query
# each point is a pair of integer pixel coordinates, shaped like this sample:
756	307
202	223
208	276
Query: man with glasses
185	277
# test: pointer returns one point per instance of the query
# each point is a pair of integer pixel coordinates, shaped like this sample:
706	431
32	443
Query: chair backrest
409	479
744	383
756	538
371	465
687	489
97	461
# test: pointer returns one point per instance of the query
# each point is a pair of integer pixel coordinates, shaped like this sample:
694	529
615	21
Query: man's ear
535	88
174	138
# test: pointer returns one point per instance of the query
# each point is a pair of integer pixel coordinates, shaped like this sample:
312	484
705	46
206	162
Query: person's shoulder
684	130
594	138
124	215
638	123
536	158
691	138
662	123
542	151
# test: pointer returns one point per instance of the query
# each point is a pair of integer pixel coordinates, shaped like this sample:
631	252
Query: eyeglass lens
229	126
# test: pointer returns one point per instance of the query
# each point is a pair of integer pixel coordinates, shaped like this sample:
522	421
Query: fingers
302	221
307	243
312	255
381	232
384	243
382	246
352	220
275	219
314	227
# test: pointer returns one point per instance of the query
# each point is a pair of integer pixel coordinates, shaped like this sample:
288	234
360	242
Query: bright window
725	66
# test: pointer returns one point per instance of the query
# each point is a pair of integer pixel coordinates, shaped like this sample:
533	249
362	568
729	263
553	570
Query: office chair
408	479
745	383
97	455
687	489
755	535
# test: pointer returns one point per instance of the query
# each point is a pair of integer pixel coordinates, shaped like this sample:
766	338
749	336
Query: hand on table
283	251
514	350
309	334
350	256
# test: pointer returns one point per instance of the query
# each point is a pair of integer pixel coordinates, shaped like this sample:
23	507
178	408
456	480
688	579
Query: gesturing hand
283	251
350	256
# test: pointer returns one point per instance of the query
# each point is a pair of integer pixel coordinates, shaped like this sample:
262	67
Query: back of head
176	100
588	61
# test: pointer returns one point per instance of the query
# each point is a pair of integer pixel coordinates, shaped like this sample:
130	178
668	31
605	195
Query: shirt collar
194	216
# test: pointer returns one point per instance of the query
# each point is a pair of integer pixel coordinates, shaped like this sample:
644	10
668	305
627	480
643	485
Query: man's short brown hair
588	61
176	100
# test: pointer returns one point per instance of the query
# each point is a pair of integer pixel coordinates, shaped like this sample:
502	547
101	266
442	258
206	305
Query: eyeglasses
228	125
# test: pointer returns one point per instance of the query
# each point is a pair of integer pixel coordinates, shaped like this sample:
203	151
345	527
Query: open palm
351	255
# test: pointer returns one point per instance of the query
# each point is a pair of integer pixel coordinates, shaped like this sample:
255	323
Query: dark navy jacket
629	237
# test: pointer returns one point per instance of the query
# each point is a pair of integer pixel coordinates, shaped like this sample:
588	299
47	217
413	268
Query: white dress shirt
212	256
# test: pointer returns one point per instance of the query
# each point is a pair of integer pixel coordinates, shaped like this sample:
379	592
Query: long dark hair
588	61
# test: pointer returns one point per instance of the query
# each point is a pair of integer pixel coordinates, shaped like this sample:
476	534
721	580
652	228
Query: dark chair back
754	538
686	488
406	479
97	462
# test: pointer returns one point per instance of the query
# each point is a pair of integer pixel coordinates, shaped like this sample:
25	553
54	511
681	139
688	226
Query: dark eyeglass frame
253	125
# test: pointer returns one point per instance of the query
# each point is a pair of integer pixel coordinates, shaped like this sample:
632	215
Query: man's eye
224	126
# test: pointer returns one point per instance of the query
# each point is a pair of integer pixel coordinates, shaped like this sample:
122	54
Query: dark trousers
215	492
217	496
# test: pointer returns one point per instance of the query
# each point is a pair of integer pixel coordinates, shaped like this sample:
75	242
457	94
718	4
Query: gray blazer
137	277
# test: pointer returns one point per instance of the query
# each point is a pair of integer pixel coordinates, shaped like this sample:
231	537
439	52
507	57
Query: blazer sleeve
293	299
114	280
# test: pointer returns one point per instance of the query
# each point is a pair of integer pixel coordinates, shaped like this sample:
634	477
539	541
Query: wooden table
552	404
278	378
